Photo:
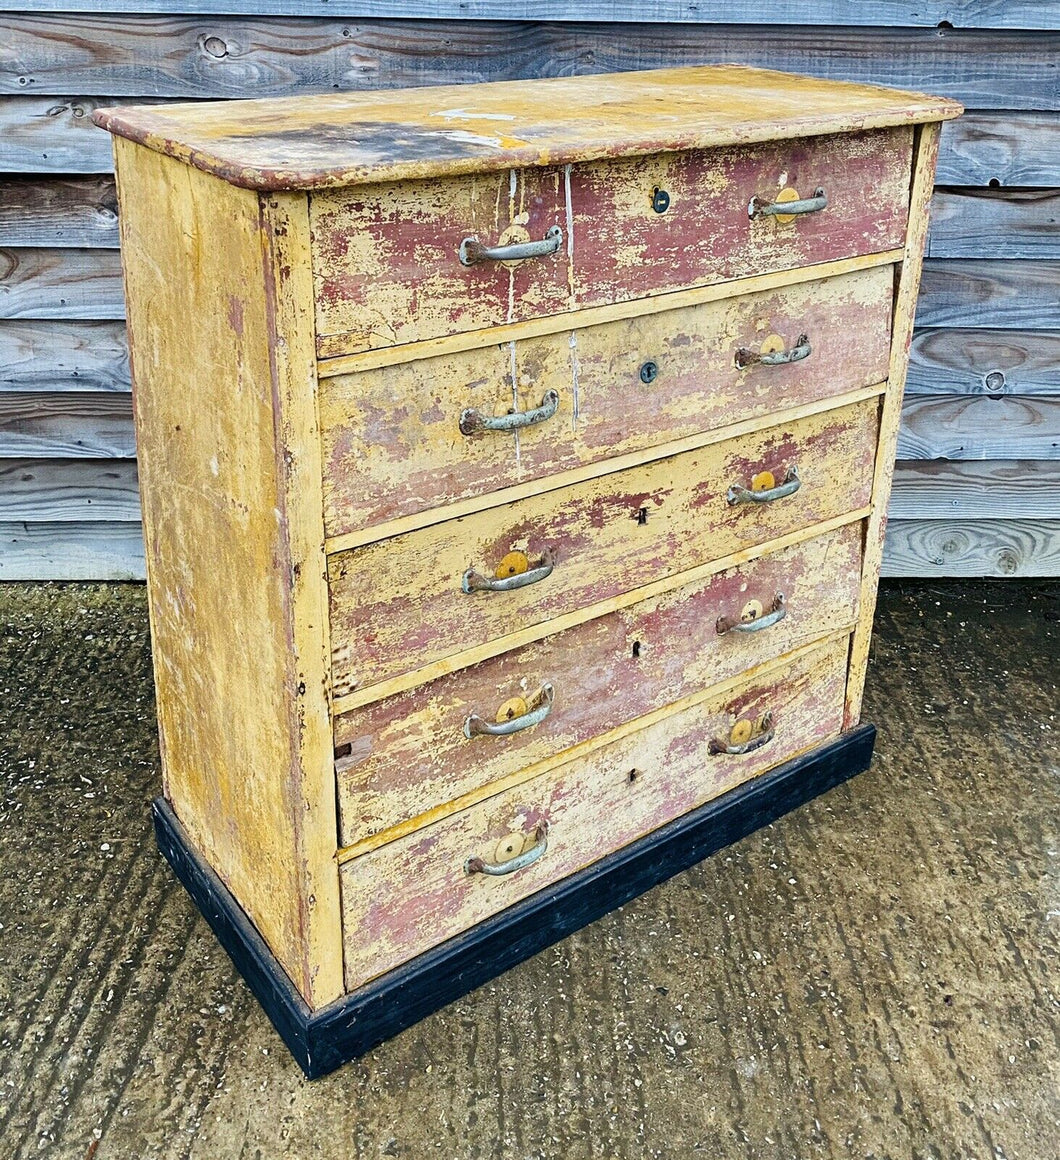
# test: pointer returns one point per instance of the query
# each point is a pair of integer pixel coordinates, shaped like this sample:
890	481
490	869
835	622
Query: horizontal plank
980	427
134	56
912	13
972	548
989	223
960	361
79	425
72	211
990	489
52	135
53	282
71	551
63	490
990	293
1000	149
63	356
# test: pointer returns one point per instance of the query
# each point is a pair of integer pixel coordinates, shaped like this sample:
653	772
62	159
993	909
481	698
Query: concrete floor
874	976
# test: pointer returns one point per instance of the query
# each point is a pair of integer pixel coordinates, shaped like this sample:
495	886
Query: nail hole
994	183
642	515
636	649
632	776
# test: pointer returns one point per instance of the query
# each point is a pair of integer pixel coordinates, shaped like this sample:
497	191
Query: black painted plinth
322	1040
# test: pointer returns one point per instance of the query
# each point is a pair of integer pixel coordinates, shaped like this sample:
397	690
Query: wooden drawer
386	258
415	892
397	605
409	753
392	436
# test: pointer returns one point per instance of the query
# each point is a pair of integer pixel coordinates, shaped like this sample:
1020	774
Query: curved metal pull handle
766	734
475	725
776	358
776	614
476	865
740	494
473	581
757	207
473	421
473	251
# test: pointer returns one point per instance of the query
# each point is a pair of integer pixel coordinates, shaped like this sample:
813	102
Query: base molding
324	1039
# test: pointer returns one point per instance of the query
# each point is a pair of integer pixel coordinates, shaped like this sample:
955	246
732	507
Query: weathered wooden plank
52	135
63	356
980	427
972	548
79	211
71	551
54	425
186	57
990	293
987	223
52	282
960	361
1000	148
64	490
902	13
940	489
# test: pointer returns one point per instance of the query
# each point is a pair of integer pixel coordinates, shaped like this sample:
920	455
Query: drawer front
387	263
414	893
398	604
392	437
410	752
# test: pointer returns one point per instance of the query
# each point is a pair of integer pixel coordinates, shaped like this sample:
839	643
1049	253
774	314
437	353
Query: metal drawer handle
757	207
475	725
473	581
473	421
476	865
763	737
472	250
776	358
740	494
776	614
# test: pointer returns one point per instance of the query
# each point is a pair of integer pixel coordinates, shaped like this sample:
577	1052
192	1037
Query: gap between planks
585	748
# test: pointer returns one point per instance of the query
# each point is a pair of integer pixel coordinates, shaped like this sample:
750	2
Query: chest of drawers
514	463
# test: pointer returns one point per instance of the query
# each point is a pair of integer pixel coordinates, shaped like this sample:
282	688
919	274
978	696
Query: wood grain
65	491
75	425
60	283
984	223
52	135
79	212
63	356
980	427
982	547
990	293
71	550
962	361
1000	148
994	489
592	806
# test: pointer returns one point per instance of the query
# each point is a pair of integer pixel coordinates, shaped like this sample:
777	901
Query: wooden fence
977	490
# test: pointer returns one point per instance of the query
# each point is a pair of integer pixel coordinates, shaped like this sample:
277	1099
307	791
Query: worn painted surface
591	806
351	138
386	256
392	439
408	753
397	604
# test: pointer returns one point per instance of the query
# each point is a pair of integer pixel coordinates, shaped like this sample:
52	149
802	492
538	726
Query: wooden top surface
316	142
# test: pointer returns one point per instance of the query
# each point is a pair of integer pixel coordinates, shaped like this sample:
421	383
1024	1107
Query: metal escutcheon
473	581
776	614
761	738
473	251
801	350
476	865
472	421
476	726
757	207
740	494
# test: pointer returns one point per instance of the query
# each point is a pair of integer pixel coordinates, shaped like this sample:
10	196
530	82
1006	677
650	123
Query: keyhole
632	776
636	649
642	515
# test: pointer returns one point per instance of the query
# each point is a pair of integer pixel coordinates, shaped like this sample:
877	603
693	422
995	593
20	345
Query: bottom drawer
414	893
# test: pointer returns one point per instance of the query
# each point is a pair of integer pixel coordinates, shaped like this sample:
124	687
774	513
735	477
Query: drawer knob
762	489
476	865
472	421
753	620
539	707
472	251
758	207
513	573
775	358
745	737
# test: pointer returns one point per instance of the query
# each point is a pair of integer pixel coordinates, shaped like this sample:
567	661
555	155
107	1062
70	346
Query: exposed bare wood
972	548
52	135
60	283
78	425
1000	148
986	223
990	293
1005	488
961	361
980	427
66	212
71	551
63	356
64	490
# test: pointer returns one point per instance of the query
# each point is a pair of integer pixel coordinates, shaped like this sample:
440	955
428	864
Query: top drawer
388	270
